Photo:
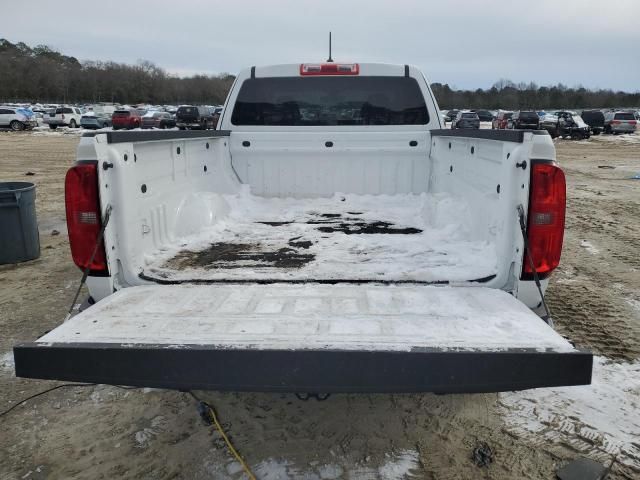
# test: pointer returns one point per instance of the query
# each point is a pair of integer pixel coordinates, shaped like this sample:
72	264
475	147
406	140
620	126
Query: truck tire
73	124
53	127
16	125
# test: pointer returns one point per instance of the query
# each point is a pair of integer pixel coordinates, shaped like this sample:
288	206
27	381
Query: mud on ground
106	432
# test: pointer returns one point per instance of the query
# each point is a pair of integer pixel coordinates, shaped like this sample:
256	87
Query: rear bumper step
186	367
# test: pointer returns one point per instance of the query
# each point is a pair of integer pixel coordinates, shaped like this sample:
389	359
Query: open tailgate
308	338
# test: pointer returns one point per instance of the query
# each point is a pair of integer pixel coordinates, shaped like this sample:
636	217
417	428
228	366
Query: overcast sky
466	43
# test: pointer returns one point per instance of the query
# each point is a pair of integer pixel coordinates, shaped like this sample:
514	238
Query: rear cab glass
624	116
330	101
593	116
529	116
187	111
63	110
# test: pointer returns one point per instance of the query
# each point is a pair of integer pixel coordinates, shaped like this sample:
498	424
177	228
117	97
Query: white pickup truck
329	237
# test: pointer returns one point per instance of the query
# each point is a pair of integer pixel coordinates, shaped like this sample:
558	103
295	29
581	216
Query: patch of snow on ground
628	138
600	420
7	363
635	304
397	466
588	246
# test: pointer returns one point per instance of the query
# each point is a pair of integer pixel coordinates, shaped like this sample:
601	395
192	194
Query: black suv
189	116
524	120
595	120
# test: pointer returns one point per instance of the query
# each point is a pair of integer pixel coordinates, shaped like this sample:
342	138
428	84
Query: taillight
329	69
84	220
545	222
632	122
615	122
63	116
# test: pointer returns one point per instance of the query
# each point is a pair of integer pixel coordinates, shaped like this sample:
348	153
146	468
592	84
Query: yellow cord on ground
235	453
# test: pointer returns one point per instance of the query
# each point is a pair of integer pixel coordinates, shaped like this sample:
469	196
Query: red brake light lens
545	222
84	222
307	69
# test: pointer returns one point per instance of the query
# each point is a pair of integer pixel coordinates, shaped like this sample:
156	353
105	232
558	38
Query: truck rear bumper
188	367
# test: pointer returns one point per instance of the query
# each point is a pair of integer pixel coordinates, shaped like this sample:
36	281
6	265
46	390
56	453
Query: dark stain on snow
335	222
375	227
241	255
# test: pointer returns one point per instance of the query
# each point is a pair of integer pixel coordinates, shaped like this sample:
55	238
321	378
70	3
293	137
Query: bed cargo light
545	228
308	69
84	222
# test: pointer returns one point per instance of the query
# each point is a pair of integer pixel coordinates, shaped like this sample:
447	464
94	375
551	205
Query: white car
17	118
64	117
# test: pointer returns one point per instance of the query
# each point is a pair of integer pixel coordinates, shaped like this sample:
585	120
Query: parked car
524	120
565	124
126	118
64	117
190	116
17	118
158	120
619	122
451	115
228	314
466	119
501	119
595	120
216	116
98	117
484	115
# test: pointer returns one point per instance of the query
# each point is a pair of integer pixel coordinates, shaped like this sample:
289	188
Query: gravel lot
106	432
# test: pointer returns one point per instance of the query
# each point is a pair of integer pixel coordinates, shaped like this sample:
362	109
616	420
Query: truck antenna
330	60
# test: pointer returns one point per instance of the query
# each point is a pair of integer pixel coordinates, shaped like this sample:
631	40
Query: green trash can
19	239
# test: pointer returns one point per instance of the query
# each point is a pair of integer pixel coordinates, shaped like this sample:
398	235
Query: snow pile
6	362
623	138
440	246
396	466
588	246
600	420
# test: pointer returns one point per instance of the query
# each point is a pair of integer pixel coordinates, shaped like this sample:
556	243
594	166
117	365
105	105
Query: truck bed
348	238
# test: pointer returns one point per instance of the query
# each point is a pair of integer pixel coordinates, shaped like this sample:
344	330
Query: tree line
42	74
508	95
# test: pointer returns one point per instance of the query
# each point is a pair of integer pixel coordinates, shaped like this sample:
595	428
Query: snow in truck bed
345	237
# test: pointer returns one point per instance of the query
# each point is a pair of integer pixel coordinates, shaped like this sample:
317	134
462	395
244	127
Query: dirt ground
105	432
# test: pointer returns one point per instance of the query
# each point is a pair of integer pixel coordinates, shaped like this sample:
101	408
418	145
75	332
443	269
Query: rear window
320	101
624	116
471	116
529	115
188	110
592	114
63	110
121	113
507	115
